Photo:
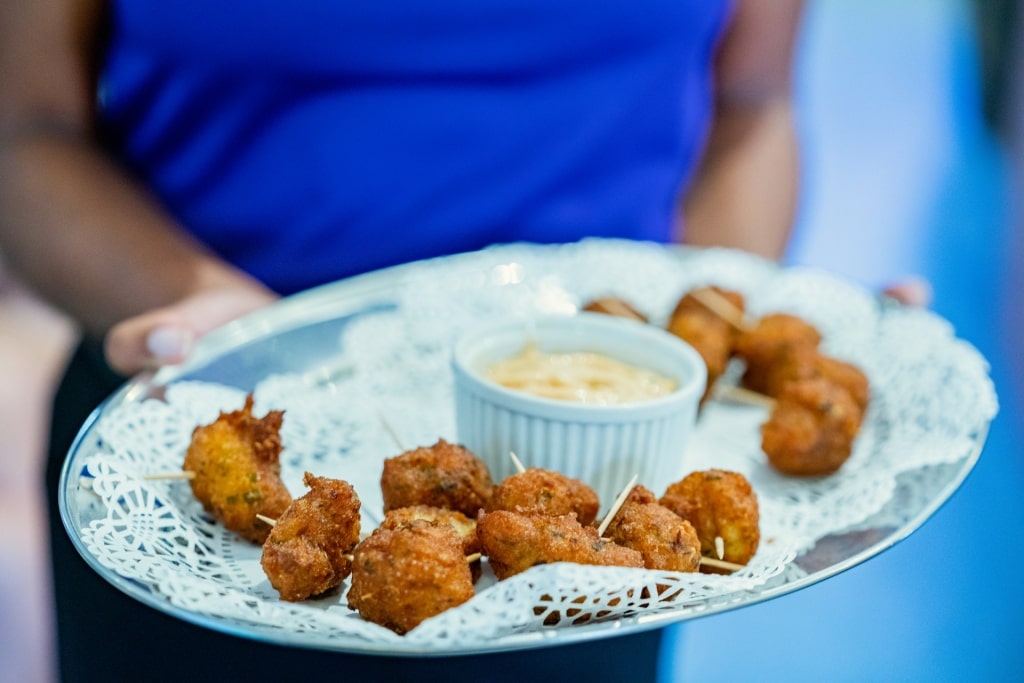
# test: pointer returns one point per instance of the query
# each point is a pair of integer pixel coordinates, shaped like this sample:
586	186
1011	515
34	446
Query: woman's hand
911	292
165	336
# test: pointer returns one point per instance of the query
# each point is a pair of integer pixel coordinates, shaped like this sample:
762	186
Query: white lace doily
931	403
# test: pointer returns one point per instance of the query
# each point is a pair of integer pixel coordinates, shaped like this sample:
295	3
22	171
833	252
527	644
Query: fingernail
169	344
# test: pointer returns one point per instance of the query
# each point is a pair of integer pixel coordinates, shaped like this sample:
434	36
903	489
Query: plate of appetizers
259	487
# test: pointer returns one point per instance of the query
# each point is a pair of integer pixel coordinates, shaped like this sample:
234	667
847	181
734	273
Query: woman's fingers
147	341
169	344
166	336
911	292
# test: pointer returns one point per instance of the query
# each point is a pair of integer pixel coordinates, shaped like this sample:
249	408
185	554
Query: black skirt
104	635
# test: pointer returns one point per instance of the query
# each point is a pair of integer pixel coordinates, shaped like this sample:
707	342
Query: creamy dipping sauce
583	377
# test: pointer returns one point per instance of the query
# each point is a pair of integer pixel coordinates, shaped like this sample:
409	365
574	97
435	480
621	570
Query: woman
168	167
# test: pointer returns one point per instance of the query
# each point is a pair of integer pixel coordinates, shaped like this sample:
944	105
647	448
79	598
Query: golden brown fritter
514	542
848	376
400	577
779	348
783	348
545	492
719	504
811	429
307	552
711	335
444	475
237	470
610	305
464	527
663	538
799	363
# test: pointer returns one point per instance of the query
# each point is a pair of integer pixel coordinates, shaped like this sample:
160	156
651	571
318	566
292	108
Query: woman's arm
72	224
745	191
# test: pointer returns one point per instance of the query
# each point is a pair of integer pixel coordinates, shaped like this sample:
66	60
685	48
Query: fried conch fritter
237	472
308	550
779	348
782	348
663	538
514	542
706	331
545	492
444	475
719	504
463	526
811	429
402	576
848	376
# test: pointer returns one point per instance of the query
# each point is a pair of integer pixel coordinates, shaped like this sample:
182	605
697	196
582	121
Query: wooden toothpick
391	432
170	476
720	564
266	520
616	307
722	307
729	392
517	462
616	505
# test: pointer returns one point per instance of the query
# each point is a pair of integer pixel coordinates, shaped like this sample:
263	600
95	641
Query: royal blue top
309	141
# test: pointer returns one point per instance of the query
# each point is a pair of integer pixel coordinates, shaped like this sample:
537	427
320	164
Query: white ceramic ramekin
602	445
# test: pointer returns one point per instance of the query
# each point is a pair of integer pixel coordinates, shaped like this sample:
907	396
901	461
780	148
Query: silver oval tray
360	363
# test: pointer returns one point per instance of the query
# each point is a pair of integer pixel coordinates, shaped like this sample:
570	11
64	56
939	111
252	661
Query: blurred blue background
906	175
